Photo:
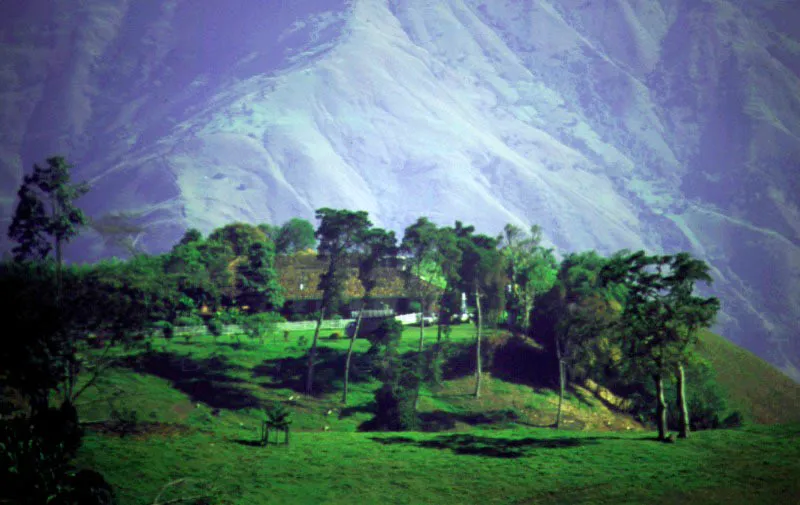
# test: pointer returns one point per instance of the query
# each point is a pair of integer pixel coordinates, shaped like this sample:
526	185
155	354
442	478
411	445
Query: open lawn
198	407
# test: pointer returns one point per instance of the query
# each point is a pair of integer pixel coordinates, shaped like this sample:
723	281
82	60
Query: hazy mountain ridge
666	125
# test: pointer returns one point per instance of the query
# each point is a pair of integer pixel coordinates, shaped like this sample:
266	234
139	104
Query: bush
190	320
734	420
258	325
214	326
395	408
334	336
125	420
167	330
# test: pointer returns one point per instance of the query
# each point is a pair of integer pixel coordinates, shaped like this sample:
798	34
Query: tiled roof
299	277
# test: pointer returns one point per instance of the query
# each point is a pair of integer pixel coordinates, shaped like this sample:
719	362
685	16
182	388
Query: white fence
327	324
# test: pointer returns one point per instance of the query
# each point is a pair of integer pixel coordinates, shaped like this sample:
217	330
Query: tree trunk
420	357
682	407
312	354
661	407
526	317
421	325
561	381
478	363
59	274
350	353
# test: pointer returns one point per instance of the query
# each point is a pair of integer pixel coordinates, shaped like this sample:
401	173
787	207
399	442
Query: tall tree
448	259
661	318
375	249
531	270
46	209
339	233
253	263
690	313
581	309
420	241
482	273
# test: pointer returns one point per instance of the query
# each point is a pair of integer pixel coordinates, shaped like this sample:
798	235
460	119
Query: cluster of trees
632	314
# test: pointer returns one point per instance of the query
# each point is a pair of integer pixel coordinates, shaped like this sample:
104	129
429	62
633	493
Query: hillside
190	409
753	386
669	125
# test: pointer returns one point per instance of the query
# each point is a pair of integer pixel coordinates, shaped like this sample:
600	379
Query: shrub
734	420
125	420
190	320
334	336
167	330
214	326
257	325
395	408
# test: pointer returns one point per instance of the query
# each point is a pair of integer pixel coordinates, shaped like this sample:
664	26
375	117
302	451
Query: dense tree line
633	315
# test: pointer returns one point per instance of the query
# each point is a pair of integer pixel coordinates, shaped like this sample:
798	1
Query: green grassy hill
753	386
193	412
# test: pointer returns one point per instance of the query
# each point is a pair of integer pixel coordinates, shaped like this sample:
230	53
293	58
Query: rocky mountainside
667	125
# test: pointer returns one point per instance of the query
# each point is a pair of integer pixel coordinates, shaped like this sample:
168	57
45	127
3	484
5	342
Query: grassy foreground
198	408
523	465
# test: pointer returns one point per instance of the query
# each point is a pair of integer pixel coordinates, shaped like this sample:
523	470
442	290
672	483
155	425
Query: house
299	276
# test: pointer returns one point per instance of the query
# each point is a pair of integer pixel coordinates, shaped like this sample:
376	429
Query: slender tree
531	271
46	216
376	248
448	259
581	311
482	273
339	232
690	313
661	319
420	241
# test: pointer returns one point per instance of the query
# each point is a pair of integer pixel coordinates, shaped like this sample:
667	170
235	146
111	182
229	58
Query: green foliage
35	364
294	236
256	326
229	316
395	400
124	420
192	235
214	326
339	233
35	461
189	320
167	329
46	208
531	271
277	415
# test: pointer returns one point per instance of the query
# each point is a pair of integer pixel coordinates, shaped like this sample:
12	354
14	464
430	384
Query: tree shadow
207	380
350	411
290	373
442	421
247	443
474	445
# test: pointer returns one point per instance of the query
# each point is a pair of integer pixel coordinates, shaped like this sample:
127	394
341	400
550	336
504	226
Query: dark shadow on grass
247	443
290	373
349	411
207	381
465	444
443	421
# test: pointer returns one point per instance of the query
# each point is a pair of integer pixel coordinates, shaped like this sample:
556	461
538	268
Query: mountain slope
664	125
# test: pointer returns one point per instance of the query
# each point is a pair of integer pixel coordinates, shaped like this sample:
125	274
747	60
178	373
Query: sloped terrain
667	125
192	410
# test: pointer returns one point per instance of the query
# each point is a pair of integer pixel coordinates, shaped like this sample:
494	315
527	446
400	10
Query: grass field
198	406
